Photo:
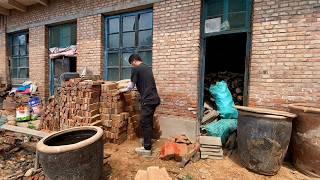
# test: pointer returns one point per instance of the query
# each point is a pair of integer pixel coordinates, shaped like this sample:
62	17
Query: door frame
203	44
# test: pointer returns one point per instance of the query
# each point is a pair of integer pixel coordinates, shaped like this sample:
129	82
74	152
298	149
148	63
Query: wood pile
76	104
235	83
210	147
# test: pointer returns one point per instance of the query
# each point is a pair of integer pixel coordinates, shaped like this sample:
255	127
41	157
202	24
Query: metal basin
263	138
305	144
75	153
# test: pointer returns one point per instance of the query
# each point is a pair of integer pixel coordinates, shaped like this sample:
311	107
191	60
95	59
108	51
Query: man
142	78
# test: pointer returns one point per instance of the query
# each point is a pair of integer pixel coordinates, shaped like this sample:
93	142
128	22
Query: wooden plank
42	2
211	115
219	153
16	5
210	146
210	149
4	11
24	130
141	175
210	140
211	157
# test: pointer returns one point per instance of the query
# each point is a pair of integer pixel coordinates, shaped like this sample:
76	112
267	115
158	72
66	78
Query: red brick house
278	43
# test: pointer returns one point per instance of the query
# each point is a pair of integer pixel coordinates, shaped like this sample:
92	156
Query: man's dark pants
146	123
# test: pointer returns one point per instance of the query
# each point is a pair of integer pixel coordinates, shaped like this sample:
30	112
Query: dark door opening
60	66
225	59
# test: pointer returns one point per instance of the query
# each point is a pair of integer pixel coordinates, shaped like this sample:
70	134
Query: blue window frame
126	34
63	35
19	55
235	15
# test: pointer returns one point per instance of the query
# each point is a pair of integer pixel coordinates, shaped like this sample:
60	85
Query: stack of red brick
133	107
77	105
119	113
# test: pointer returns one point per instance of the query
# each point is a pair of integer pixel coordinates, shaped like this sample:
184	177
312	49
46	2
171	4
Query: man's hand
123	90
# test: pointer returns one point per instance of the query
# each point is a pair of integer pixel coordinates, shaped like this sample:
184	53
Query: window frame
61	35
15	58
120	50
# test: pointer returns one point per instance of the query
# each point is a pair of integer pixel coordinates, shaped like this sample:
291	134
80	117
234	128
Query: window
127	34
63	35
234	14
19	53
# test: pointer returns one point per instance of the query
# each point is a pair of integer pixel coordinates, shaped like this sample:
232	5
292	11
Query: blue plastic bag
222	128
223	100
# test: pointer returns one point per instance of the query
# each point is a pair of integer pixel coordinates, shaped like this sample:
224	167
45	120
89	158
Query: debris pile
235	83
24	103
77	103
17	154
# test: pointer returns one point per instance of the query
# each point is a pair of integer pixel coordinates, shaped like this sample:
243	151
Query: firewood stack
77	104
113	117
235	83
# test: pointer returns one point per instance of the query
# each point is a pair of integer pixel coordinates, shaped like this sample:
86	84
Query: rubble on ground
17	154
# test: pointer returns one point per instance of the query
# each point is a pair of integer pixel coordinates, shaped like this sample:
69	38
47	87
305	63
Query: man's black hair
134	57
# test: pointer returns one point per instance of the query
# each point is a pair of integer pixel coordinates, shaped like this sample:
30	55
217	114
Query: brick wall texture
90	45
284	66
38	58
3	57
176	39
285	62
176	54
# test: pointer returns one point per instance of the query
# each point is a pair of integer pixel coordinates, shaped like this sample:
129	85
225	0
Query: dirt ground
124	163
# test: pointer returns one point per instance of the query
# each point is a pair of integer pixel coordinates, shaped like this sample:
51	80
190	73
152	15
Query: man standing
142	78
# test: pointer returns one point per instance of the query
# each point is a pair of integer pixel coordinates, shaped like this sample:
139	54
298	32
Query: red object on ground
173	150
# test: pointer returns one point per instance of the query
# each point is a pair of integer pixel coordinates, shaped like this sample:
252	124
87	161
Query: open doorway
225	59
58	67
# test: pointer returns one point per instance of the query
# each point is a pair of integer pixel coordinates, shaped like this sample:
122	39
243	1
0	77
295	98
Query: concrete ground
123	163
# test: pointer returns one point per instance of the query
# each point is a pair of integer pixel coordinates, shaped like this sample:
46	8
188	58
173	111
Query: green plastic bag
223	100
222	128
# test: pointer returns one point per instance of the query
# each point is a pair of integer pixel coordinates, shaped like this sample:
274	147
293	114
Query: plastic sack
224	101
35	104
222	128
23	113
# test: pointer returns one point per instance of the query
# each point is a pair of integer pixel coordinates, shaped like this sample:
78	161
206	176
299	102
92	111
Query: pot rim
41	147
266	111
305	107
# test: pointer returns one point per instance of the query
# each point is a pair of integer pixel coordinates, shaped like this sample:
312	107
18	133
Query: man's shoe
142	151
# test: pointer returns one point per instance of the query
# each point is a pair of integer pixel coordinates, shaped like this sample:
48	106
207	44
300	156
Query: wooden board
211	157
210	146
210	149
24	130
210	140
219	153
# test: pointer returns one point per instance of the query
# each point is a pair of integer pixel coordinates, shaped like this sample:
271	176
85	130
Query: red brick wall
285	62
90	44
4	70
38	58
176	42
176	54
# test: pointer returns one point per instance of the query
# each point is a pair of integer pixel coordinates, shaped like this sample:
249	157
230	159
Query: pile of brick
132	99
77	104
51	116
119	113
